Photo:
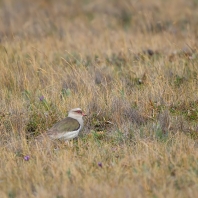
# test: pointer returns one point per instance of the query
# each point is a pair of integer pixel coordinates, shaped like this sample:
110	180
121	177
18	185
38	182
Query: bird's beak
84	114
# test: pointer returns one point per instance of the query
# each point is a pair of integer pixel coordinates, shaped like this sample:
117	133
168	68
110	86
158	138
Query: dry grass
131	65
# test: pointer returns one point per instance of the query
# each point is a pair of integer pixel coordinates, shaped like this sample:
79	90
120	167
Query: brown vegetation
131	65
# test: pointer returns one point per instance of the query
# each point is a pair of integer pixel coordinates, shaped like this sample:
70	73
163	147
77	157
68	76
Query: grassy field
132	66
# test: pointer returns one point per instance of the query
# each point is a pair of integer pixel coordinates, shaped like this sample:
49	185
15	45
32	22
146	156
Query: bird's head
76	113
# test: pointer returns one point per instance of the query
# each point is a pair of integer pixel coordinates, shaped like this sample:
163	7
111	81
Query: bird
68	128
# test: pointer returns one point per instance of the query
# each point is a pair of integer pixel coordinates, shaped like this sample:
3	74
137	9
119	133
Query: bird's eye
80	112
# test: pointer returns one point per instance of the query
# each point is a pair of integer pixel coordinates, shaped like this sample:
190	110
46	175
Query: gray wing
65	125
